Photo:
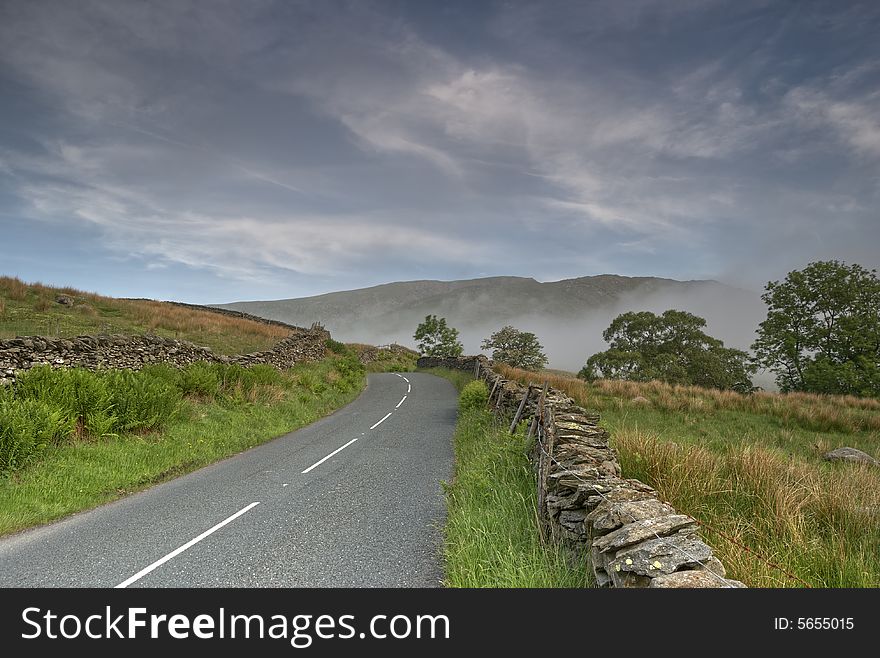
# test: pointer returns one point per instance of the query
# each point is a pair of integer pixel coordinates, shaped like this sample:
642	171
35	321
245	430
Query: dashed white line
340	449
408	388
401	402
405	379
192	542
382	421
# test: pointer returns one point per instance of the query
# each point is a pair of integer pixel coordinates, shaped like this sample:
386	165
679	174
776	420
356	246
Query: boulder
64	300
850	455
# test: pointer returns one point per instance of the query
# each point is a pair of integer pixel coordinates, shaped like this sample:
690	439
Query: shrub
336	347
82	396
141	402
199	378
474	395
27	427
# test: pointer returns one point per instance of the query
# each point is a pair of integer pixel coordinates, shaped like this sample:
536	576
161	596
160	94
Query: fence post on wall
477	369
494	386
519	411
547	453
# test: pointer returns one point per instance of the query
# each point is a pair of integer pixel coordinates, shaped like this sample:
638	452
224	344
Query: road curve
353	500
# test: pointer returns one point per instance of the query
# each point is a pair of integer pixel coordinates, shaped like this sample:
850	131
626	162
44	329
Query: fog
732	315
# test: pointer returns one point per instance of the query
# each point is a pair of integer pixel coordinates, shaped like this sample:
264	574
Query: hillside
34	309
568	316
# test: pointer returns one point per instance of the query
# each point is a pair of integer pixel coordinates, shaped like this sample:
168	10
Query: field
750	469
31	310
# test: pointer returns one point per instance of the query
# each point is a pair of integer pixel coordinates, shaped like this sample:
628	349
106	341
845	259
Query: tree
516	348
437	339
822	332
671	347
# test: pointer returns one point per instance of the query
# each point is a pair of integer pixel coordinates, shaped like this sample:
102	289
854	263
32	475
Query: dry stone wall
634	538
135	352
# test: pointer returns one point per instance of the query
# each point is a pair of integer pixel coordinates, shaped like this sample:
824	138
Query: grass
492	535
749	468
220	416
28	309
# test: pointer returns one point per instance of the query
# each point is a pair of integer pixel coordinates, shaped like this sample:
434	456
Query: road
353	500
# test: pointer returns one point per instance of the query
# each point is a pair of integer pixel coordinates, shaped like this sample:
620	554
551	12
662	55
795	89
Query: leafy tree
516	348
671	347
822	332
437	339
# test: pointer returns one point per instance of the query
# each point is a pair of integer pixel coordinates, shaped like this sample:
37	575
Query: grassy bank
215	414
749	468
492	536
30	309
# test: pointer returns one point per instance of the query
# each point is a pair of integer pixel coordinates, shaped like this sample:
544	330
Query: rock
65	300
712	564
637	531
702	579
850	455
610	515
629	579
660	556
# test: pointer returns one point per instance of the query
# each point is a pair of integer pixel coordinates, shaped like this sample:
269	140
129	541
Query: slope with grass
30	309
749	468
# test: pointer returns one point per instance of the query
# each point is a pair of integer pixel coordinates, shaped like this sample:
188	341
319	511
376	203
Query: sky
217	151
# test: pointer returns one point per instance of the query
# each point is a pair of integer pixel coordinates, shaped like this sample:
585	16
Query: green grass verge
89	471
492	535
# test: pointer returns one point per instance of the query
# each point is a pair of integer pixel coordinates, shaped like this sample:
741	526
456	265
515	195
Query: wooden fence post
519	411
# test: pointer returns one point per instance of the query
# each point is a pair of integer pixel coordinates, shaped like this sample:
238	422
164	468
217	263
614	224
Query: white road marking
283	485
318	463
408	388
382	421
192	542
405	379
401	402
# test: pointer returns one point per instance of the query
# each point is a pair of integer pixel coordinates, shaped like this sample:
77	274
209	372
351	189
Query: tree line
821	335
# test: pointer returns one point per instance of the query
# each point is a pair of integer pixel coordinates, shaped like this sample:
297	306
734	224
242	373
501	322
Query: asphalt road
290	513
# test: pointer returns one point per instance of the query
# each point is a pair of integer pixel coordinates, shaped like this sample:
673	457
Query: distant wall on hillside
124	351
634	539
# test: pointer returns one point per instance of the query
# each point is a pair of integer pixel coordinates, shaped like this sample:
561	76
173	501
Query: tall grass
820	525
493	536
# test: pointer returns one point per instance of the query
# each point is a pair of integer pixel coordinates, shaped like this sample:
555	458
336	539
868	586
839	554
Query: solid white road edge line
340	449
401	402
192	542
382	421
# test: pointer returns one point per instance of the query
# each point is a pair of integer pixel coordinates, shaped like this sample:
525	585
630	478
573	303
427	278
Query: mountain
568	316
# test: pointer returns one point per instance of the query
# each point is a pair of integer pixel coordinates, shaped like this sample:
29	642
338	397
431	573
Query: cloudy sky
215	151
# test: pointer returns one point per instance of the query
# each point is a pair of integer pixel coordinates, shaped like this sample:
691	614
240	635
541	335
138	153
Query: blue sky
219	151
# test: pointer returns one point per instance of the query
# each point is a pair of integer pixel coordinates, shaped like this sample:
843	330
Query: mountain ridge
568	315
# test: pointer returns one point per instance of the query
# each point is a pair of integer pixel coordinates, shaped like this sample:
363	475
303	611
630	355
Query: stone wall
634	539
123	351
